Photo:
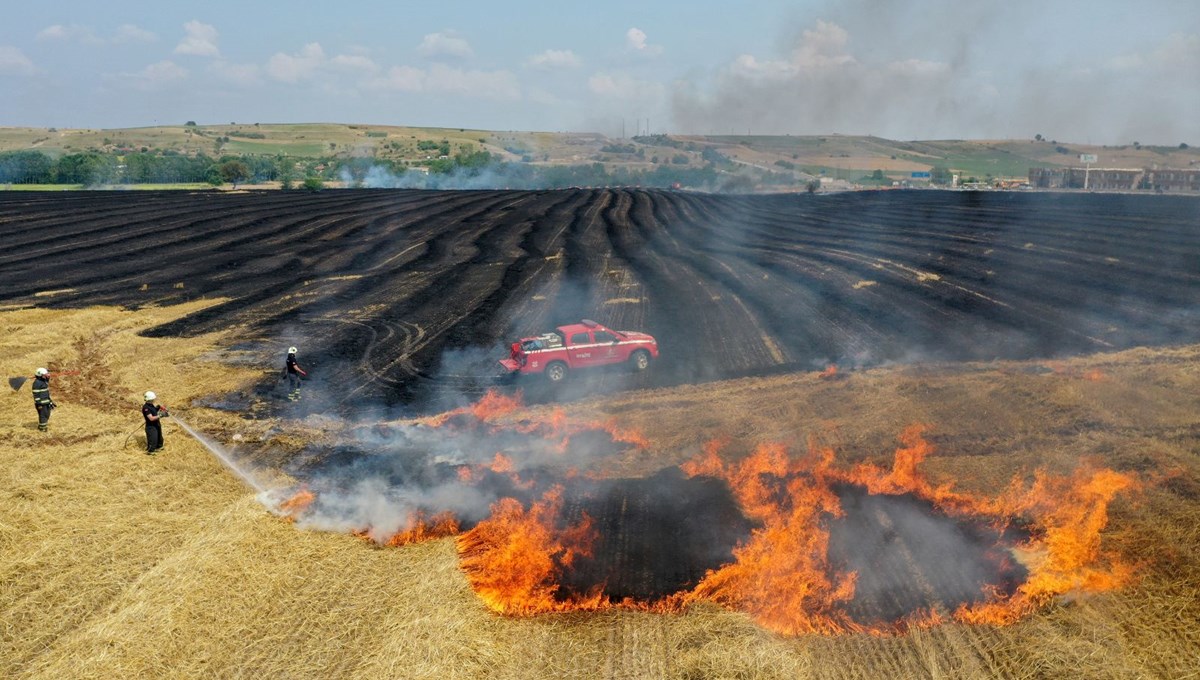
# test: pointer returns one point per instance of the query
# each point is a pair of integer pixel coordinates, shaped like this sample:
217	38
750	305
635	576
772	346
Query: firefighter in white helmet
292	372
153	414
41	398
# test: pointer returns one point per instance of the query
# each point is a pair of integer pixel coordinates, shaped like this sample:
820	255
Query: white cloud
440	78
132	33
445	44
635	39
87	36
72	32
200	41
13	62
355	62
291	68
554	59
155	75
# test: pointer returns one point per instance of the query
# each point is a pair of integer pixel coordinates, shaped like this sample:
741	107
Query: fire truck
586	344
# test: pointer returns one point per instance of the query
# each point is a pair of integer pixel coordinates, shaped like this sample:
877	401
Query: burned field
409	297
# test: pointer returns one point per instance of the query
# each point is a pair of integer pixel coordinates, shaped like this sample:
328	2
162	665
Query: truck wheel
640	360
556	371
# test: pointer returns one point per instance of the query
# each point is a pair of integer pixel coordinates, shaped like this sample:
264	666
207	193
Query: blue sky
1098	71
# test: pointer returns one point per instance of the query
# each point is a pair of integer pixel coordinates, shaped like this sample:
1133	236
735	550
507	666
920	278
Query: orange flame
513	558
295	506
491	407
780	575
422	528
830	372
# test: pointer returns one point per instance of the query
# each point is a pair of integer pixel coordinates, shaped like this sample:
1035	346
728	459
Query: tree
234	172
312	184
1183	145
940	174
26	167
877	175
85	168
190	123
1038	137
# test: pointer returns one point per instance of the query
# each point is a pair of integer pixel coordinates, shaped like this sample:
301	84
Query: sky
1095	71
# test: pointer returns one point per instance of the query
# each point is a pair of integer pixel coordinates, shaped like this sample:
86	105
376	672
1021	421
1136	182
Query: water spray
219	452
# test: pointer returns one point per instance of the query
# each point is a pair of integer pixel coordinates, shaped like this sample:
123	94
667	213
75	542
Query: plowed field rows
400	293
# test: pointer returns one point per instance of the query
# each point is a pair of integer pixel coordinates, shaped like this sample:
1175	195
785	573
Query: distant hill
859	159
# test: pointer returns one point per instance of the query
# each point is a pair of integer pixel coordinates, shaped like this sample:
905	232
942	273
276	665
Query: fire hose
163	413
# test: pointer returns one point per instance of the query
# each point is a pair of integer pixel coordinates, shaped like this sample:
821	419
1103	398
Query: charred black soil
409	297
910	557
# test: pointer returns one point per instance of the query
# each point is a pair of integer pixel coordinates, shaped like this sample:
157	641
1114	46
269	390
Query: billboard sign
1088	158
920	175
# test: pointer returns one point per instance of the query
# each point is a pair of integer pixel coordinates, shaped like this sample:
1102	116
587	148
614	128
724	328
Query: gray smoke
940	69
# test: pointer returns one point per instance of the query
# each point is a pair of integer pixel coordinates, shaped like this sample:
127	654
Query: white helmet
149	396
41	372
291	350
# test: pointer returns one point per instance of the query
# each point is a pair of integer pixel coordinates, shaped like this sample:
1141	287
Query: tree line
466	169
94	169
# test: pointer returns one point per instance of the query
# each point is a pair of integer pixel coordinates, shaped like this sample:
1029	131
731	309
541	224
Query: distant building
1117	179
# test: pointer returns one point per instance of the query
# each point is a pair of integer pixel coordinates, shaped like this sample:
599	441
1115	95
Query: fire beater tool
16	383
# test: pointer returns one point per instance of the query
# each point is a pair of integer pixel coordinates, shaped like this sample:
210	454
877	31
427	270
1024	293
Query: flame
299	502
490	408
830	372
1071	512
423	528
782	577
514	557
781	574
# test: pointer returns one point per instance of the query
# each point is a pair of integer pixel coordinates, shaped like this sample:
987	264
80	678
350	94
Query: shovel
16	383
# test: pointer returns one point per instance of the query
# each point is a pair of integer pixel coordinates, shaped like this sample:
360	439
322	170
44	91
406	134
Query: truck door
580	349
607	351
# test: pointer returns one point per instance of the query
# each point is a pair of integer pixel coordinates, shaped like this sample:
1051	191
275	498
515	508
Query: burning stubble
799	543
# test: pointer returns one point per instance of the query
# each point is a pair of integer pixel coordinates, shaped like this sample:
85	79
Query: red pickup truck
579	345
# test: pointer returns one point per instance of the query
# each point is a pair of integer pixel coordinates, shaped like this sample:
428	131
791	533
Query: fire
1071	512
296	505
830	372
491	407
515	557
423	528
519	559
780	575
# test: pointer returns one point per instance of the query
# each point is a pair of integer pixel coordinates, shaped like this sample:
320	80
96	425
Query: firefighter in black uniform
41	398
153	413
293	372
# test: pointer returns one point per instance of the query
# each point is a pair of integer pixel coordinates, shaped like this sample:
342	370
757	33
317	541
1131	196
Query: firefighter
153	414
293	372
41	398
